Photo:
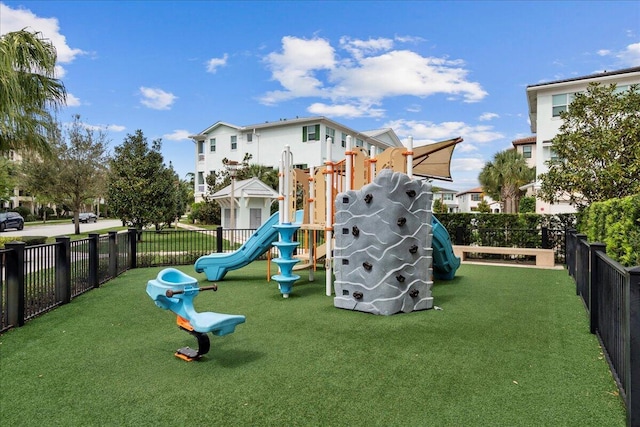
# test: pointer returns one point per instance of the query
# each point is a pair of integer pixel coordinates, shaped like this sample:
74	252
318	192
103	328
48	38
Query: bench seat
544	257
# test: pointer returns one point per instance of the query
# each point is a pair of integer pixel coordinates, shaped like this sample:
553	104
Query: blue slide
445	263
216	265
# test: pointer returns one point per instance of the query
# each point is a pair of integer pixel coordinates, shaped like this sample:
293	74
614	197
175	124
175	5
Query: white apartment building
447	197
546	101
265	142
469	200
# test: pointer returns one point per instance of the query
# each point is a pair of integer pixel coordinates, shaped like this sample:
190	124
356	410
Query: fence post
15	283
93	260
570	250
113	253
579	261
633	394
594	285
545	238
460	235
219	239
133	248
63	269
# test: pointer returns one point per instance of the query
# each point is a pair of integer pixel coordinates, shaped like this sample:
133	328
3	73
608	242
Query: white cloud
370	72
21	18
425	132
484	117
604	52
214	63
630	56
156	99
177	135
345	110
72	101
106	128
470	164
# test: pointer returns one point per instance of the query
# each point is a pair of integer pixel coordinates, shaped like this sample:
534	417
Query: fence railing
545	238
611	295
36	279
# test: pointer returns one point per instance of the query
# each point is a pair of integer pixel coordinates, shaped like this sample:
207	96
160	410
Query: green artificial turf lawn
510	347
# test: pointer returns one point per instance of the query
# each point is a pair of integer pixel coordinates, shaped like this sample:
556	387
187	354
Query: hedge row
28	240
616	223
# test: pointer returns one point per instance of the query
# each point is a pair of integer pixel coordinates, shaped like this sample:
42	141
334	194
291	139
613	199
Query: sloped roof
477	190
251	187
524	141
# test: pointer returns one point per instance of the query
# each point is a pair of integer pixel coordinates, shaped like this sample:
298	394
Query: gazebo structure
251	201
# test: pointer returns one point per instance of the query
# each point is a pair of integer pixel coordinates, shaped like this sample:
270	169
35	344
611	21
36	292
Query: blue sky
428	69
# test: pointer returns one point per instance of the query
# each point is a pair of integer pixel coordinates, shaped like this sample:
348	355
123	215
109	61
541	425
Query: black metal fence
36	279
611	295
545	238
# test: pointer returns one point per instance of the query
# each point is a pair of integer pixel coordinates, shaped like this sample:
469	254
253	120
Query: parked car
86	217
11	220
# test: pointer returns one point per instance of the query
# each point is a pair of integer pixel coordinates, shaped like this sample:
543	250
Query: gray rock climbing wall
382	255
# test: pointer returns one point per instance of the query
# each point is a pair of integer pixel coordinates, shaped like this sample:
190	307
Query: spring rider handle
171	293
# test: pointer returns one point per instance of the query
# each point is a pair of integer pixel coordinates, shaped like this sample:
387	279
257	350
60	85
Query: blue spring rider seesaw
174	290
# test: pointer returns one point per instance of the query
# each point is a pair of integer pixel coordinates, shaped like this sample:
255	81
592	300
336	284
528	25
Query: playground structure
174	290
317	191
355	171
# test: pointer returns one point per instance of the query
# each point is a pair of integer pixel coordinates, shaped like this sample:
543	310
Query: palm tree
502	178
28	91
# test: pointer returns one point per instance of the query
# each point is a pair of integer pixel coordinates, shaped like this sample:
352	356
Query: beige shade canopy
434	160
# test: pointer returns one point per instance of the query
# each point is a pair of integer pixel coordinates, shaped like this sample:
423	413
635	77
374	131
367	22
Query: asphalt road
68	229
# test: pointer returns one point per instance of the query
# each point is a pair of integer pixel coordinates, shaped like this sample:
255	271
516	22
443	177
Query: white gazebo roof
248	188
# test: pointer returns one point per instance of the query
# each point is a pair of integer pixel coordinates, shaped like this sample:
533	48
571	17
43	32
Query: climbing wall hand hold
357	295
367	266
414	293
411	193
401	221
400	278
368	197
413	249
355	231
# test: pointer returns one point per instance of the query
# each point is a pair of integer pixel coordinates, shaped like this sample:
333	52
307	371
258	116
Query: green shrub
22	210
616	223
28	240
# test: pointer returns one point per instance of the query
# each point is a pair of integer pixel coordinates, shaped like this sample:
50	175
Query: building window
447	196
250	137
475	197
561	103
212	145
234	142
331	133
359	142
302	166
311	133
200	182
526	151
201	151
343	141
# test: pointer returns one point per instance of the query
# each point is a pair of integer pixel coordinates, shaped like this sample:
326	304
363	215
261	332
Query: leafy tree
483	207
28	91
141	189
7	179
74	173
598	147
502	178
527	205
439	207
